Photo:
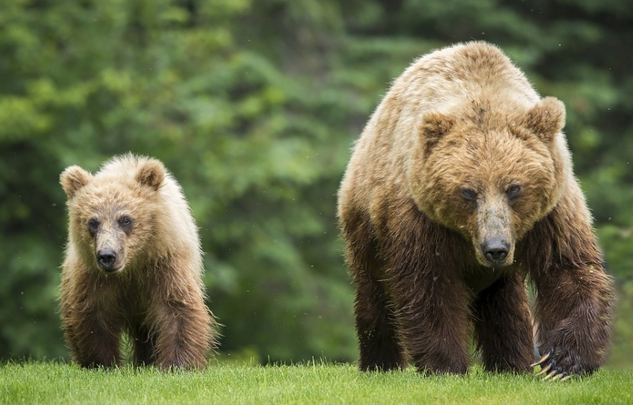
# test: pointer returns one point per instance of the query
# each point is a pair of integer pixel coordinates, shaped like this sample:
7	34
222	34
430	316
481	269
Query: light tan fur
460	154
154	290
480	88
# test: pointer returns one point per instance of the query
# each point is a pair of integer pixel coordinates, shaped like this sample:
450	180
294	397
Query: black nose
106	258
495	251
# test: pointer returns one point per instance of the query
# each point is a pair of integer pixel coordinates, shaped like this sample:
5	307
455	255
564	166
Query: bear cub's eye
93	226
468	194
125	223
513	191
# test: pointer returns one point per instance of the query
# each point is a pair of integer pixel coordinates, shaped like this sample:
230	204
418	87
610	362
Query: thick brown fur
460	186
153	290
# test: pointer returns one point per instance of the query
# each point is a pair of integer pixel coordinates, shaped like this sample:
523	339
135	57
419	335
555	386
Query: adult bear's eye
513	191
93	226
468	194
125	223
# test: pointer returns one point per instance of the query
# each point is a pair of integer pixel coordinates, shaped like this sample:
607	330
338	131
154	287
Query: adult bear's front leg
430	298
575	316
432	318
503	324
576	299
378	341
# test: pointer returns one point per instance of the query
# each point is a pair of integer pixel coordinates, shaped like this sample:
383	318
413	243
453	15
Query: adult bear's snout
495	251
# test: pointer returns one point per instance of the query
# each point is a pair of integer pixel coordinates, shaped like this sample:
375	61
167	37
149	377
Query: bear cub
460	186
133	265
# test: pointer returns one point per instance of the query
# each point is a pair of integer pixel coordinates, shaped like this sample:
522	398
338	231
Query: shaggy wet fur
153	290
460	186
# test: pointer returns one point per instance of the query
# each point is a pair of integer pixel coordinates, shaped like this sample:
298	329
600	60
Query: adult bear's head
490	176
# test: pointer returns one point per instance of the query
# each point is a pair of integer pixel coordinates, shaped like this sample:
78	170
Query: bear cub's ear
546	118
151	174
433	127
74	178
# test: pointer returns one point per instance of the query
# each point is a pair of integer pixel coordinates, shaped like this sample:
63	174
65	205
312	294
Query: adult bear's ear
433	127
72	179
546	118
151	174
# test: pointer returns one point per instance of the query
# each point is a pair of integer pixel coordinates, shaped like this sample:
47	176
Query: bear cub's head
112	214
490	176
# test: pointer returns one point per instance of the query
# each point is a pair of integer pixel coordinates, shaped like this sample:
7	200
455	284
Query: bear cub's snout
106	259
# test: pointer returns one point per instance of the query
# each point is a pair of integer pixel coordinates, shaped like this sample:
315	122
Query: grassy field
59	383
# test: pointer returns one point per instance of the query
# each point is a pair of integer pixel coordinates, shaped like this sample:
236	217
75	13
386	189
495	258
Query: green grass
59	383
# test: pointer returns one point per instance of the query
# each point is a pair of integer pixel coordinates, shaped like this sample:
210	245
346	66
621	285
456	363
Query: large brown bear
460	185
133	264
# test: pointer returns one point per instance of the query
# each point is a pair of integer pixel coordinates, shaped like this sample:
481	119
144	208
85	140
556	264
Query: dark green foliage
253	106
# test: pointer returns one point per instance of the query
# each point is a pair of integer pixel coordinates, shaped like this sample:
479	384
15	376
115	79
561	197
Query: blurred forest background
253	106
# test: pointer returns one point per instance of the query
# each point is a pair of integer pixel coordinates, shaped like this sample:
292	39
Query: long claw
557	377
541	360
566	378
550	375
544	370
